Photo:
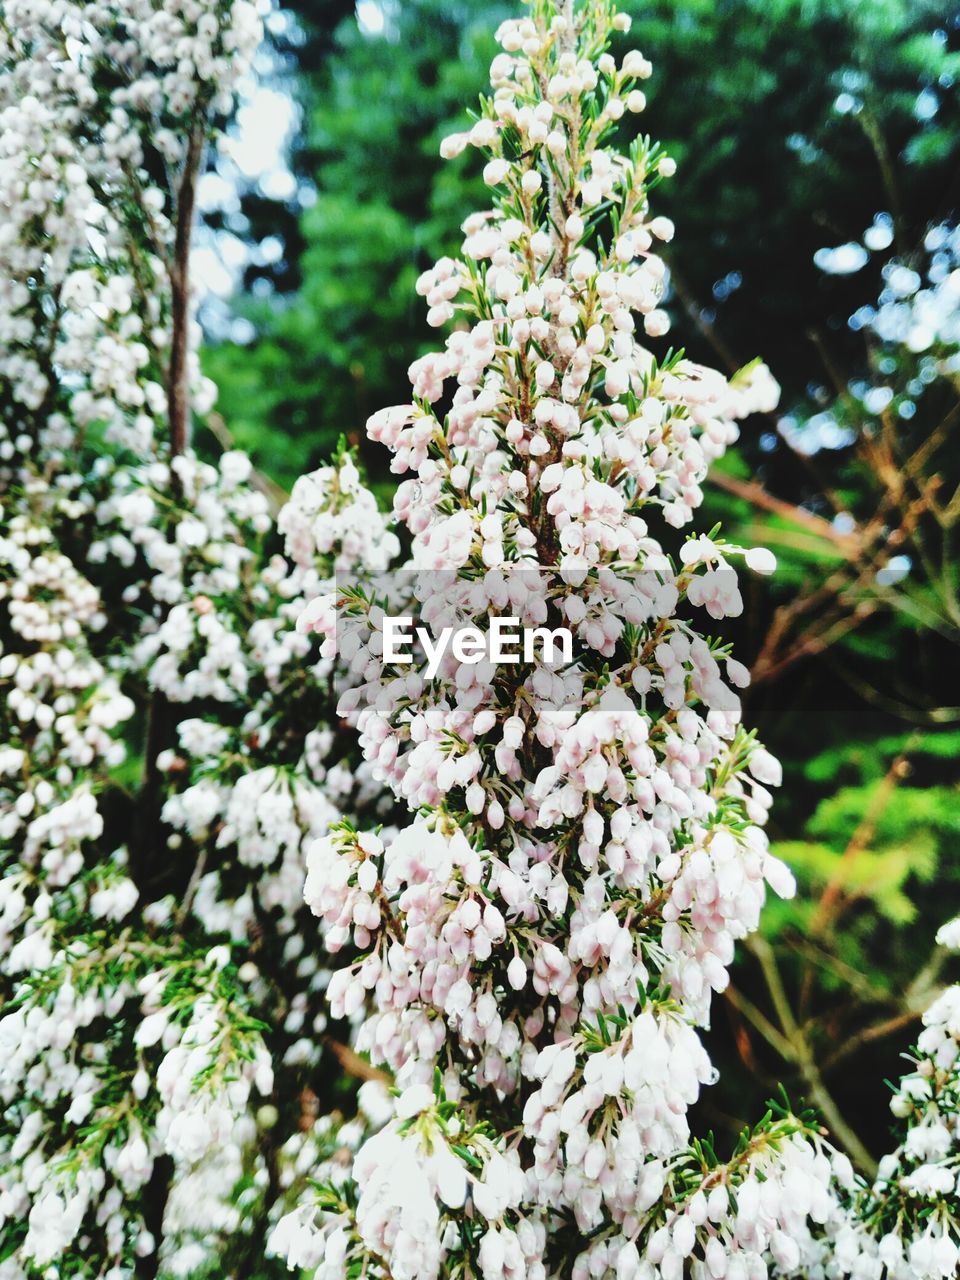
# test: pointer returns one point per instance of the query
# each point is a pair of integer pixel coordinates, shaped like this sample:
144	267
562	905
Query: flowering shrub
541	943
531	958
161	1011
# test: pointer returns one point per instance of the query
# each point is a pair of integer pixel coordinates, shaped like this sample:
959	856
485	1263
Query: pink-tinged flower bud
573	227
517	974
656	323
495	171
635	64
617	379
765	767
779	877
760	560
662	228
453	145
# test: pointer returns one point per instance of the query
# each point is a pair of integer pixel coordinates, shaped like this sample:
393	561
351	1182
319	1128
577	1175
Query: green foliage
866	759
877	838
386	208
877	874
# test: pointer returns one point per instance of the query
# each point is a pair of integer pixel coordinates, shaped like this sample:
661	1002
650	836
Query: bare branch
178	377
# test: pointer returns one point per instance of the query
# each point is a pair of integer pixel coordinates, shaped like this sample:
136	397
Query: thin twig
274	493
802	1057
863	834
756	495
196	875
760	1022
353	1064
879	1031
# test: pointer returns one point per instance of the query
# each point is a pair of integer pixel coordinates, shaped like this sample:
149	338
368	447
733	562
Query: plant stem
161	724
178	386
830	900
802	1057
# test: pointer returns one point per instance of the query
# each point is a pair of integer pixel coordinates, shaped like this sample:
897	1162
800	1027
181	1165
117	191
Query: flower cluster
249	780
906	1226
162	1025
530	954
540	945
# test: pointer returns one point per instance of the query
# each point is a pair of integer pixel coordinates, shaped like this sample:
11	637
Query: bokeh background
818	187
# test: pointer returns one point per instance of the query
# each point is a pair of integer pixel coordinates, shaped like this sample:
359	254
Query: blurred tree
384	209
855	639
834	98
